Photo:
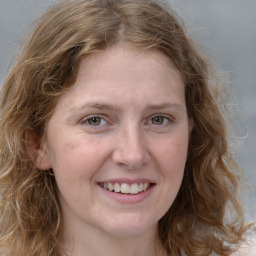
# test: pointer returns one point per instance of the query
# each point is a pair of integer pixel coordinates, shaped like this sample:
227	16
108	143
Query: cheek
172	160
77	162
173	153
77	157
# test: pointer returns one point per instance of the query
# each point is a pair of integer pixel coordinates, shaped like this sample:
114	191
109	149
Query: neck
98	243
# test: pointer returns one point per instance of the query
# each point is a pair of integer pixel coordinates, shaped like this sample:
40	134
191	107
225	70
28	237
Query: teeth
110	186
125	188
145	186
117	188
134	189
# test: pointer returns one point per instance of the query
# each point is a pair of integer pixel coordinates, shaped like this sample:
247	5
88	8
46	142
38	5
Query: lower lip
128	198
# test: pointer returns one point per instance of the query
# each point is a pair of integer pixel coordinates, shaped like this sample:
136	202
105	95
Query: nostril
130	150
130	161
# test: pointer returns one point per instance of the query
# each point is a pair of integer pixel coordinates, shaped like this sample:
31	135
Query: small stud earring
50	172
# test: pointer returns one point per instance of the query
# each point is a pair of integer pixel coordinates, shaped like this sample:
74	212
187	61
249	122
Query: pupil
158	120
94	121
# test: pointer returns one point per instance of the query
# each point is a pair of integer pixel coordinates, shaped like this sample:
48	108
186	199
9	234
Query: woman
113	139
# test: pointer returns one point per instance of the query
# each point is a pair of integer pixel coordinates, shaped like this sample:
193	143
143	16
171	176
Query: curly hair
205	216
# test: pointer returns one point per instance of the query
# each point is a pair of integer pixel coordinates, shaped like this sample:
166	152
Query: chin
131	226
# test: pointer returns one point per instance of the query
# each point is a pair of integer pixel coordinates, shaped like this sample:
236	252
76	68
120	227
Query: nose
131	149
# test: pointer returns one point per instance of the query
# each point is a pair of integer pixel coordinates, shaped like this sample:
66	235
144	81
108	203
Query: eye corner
93	121
160	120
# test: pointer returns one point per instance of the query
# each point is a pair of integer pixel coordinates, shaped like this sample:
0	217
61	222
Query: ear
37	151
191	124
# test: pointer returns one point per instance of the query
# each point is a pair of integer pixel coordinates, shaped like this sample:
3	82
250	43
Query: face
117	142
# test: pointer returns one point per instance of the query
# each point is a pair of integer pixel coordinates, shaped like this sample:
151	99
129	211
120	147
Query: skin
249	246
141	131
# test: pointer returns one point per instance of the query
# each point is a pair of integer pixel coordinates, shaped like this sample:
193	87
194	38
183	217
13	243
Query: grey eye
94	121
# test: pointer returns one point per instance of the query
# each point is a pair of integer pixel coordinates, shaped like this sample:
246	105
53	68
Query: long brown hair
31	219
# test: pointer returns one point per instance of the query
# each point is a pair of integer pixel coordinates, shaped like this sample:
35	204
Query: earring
50	172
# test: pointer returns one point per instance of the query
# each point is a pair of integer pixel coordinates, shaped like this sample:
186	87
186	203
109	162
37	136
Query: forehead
123	74
124	57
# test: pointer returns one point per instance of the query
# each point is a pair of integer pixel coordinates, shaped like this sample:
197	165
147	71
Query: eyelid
163	115
167	116
84	120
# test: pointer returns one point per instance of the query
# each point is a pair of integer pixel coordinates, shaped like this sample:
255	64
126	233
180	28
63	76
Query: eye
94	121
160	120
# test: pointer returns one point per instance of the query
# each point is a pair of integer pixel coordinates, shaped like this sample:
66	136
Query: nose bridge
131	150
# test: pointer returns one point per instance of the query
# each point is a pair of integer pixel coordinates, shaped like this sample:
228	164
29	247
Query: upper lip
128	181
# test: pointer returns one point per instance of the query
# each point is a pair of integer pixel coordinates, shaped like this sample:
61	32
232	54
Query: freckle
71	144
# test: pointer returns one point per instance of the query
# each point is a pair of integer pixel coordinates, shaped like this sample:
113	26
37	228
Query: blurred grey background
225	29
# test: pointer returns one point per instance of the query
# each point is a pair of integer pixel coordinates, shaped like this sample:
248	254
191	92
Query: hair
199	221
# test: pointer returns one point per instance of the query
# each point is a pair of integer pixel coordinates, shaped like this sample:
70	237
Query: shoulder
248	247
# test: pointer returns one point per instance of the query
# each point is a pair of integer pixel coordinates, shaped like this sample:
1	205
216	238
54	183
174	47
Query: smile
125	188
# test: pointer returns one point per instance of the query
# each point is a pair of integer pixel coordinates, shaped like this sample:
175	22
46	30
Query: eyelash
90	118
167	120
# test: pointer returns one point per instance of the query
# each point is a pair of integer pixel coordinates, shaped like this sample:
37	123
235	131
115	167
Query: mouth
125	188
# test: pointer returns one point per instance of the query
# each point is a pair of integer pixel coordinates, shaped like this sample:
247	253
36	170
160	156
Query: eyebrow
164	105
94	105
103	106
